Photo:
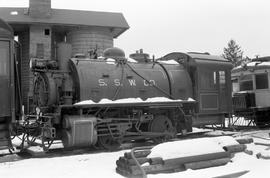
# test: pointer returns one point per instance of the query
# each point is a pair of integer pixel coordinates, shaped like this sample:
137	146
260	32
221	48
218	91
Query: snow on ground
102	165
86	165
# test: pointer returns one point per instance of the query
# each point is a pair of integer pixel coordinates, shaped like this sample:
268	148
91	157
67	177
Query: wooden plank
249	152
233	175
157	168
235	148
131	161
122	172
263	144
260	156
208	163
157	160
244	140
121	164
197	158
138	154
178	164
141	160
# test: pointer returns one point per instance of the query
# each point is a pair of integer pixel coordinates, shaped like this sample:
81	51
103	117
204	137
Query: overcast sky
164	26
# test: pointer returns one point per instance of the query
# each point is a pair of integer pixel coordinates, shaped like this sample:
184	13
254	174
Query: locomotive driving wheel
108	143
162	124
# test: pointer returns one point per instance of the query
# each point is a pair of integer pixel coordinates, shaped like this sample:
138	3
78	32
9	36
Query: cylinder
79	131
86	41
63	55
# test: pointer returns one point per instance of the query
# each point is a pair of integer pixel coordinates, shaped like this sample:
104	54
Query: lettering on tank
129	82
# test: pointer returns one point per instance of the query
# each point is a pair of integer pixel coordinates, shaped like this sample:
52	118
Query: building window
47	32
246	83
40	50
261	81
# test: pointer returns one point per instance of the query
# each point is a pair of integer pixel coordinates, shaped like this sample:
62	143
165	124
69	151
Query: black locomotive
110	100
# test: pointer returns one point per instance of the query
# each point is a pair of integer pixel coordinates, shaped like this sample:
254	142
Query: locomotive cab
211	85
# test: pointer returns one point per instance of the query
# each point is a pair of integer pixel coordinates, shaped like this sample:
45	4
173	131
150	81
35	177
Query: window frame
255	80
246	80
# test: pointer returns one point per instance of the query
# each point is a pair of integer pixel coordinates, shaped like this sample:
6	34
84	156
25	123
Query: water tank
87	40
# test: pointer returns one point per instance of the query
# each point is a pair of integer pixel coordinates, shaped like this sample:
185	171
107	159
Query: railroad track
58	150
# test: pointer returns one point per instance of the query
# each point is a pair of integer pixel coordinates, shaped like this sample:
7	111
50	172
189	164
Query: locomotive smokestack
40	8
63	55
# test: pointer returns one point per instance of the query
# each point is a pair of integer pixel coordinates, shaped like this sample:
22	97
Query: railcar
112	99
251	91
7	84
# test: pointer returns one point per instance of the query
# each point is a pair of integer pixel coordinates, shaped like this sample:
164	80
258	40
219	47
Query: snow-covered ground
103	164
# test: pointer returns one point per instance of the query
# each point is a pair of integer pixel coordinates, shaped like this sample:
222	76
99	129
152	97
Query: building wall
35	44
40	41
39	47
84	40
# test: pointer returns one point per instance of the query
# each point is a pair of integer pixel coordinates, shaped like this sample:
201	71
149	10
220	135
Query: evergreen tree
233	53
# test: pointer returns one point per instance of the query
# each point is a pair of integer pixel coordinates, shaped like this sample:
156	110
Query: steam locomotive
109	100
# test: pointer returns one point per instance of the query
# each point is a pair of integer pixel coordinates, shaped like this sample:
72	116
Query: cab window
246	82
261	81
4	57
208	79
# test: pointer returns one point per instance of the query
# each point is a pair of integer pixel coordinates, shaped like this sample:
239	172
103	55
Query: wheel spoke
108	143
161	124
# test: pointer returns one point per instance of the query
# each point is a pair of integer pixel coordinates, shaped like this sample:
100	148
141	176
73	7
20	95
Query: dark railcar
7	91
